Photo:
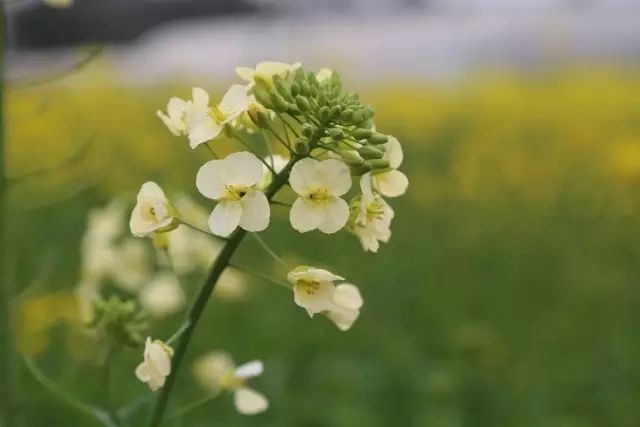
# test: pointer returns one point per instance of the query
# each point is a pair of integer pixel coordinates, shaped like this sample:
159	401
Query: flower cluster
299	129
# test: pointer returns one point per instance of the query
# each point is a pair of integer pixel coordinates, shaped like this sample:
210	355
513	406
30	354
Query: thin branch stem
96	412
111	411
201	230
194	313
184	410
279	138
248	147
261	276
279	203
270	251
213	153
288	125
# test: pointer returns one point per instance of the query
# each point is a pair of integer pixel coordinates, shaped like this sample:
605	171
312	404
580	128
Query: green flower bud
351	157
279	103
303	103
322	99
295	89
281	88
346	115
369	153
361	134
299	75
359	170
258	116
308	130
377	139
379	163
120	320
262	96
336	133
357	116
301	146
368	112
324	114
335	111
305	89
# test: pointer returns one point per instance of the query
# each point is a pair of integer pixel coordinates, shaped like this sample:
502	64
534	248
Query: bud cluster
330	118
120	320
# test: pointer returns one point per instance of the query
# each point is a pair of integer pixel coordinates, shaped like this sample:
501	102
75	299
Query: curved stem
261	276
248	147
201	230
204	295
193	405
270	251
213	153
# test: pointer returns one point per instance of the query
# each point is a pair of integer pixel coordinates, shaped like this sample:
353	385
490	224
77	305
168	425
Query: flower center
218	115
319	195
310	288
230	381
375	210
235	192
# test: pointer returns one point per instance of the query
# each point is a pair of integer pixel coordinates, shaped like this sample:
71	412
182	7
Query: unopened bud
305	89
370	153
351	157
357	117
279	103
301	146
360	169
262	96
324	114
335	111
303	103
346	115
295	89
258	116
361	133
281	88
379	163
308	130
336	133
377	139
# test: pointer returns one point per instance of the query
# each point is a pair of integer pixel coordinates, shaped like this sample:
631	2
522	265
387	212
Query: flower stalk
222	261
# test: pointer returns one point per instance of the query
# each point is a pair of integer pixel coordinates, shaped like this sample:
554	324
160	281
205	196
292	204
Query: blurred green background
507	295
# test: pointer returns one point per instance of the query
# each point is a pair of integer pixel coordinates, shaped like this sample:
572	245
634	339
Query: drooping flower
319	185
216	371
153	213
314	290
391	183
265	71
277	163
370	217
156	365
163	296
231	182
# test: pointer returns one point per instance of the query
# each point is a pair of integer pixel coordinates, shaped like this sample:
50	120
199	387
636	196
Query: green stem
270	251
248	147
194	313
111	411
201	230
180	412
213	153
261	276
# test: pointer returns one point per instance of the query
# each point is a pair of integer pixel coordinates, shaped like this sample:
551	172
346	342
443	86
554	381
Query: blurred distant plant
318	137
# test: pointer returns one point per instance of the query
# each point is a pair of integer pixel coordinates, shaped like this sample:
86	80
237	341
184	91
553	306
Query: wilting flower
391	183
216	371
265	71
163	296
313	290
370	217
277	163
319	185
153	212
231	182
156	365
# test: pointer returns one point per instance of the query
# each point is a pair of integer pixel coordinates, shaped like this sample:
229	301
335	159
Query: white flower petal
312	274
250	369
142	372
393	152
175	107
348	296
306	215
211	180
243	168
305	176
314	297
158	357
245	73
343	319
255	211
249	401
336	216
225	218
203	130
235	101
336	176
391	184
200	97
